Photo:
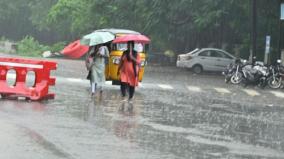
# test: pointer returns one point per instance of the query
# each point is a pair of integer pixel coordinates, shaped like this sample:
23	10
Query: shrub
3	38
30	47
169	53
57	47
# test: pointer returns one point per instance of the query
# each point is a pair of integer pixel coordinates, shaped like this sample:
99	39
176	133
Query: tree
172	25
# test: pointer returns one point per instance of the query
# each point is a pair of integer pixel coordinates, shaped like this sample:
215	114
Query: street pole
254	31
280	31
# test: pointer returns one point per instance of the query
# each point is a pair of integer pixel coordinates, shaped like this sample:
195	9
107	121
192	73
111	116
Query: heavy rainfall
141	79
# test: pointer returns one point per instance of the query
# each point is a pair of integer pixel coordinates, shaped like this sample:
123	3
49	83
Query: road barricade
41	69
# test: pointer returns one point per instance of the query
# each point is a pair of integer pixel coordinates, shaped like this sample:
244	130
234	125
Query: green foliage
57	47
39	10
71	16
172	25
30	47
3	38
169	53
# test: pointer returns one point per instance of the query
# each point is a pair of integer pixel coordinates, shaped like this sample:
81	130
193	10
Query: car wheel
197	69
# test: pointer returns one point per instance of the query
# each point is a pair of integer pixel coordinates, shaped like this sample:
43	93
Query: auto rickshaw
116	51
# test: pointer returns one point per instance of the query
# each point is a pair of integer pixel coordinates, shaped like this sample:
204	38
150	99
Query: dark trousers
124	87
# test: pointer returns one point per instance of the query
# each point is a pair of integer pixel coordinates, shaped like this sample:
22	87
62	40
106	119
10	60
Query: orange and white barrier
40	89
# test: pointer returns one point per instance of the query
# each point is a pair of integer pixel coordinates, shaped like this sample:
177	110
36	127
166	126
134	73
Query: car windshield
139	47
194	51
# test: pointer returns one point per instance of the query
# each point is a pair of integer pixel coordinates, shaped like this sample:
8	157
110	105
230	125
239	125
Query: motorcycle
255	74
233	72
282	75
274	81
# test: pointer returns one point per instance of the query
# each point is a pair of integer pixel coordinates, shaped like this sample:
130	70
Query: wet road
175	115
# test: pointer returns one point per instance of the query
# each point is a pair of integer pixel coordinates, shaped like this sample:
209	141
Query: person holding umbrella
95	61
128	70
97	67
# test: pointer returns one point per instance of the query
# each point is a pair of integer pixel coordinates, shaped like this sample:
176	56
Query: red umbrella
75	50
132	37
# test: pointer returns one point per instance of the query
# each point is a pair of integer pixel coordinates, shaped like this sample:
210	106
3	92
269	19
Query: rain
182	108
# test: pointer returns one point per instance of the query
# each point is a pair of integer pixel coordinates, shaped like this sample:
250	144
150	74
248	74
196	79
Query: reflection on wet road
160	123
145	129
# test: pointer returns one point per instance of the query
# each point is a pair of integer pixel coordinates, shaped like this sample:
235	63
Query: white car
207	59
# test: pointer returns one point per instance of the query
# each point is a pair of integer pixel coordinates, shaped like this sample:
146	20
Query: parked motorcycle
282	75
275	75
233	72
255	74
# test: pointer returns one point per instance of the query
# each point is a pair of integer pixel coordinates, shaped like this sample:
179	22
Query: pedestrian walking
128	71
97	68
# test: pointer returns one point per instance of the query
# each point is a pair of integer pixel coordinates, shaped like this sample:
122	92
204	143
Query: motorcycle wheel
236	78
274	84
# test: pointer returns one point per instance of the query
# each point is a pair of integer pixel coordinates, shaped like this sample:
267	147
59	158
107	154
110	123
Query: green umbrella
96	38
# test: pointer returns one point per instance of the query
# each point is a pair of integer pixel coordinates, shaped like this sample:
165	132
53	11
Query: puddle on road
164	126
14	105
234	123
238	148
197	127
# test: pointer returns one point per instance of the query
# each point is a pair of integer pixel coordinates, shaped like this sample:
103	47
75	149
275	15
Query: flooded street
175	115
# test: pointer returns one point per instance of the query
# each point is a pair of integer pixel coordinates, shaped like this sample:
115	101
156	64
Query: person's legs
131	92
100	88
123	87
94	85
92	77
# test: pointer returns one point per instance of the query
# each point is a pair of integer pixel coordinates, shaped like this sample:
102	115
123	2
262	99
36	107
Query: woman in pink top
128	70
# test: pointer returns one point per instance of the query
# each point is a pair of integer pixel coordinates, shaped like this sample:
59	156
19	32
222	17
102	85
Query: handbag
89	63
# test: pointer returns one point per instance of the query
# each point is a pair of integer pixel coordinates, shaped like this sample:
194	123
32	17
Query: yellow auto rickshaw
116	51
